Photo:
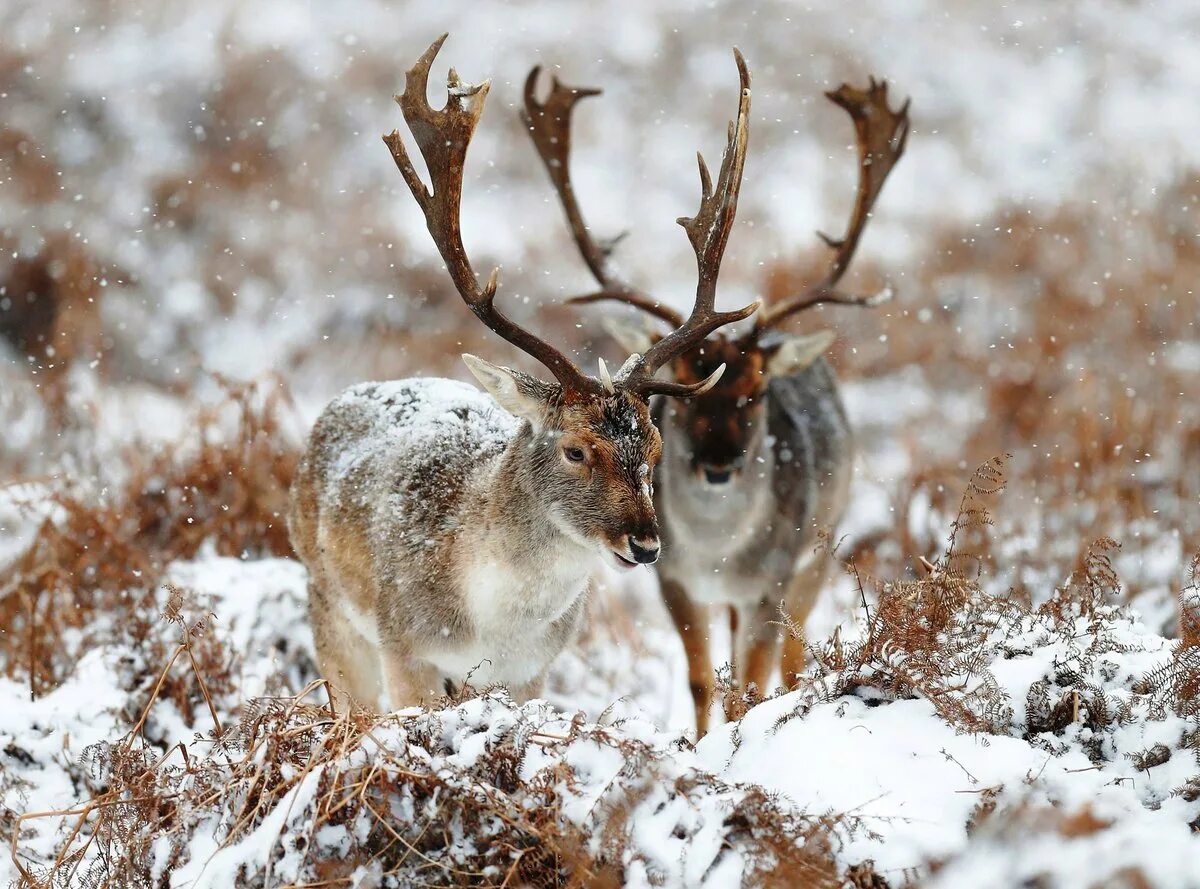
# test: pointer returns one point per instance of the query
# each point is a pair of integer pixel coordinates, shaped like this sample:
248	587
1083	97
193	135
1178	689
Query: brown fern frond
1189	606
974	514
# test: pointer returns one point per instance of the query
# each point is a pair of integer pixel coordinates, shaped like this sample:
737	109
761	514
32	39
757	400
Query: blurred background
194	195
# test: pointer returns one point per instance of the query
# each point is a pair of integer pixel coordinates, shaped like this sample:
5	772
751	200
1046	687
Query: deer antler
443	138
549	125
633	298
882	134
708	232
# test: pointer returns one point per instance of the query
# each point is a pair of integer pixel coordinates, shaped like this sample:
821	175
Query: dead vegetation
400	798
1115	466
1065	338
97	557
476	791
940	637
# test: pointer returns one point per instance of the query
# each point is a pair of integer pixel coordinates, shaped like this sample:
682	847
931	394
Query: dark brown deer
755	467
447	532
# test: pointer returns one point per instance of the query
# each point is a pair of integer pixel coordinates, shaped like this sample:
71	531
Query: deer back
381	489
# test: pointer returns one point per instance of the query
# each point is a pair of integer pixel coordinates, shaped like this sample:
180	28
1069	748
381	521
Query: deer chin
717	479
599	548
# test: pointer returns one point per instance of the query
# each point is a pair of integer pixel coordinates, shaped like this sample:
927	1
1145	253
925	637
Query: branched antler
882	134
549	125
708	232
443	138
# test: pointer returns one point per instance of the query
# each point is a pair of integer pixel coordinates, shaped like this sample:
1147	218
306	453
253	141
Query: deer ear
796	353
518	393
633	337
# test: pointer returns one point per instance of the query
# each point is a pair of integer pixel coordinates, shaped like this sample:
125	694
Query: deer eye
575	455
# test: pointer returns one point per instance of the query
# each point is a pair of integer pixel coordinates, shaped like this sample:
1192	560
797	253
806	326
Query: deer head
590	446
725	423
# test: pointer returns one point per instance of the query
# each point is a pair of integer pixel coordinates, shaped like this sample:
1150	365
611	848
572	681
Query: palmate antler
708	231
549	125
882	135
443	138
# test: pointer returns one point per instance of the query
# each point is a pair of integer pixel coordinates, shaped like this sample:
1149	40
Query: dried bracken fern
96	560
476	793
1086	378
927	637
939	638
1189	606
968	533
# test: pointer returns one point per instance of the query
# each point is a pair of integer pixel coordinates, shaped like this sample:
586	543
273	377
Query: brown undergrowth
478	792
96	559
1066	336
398	800
940	637
927	637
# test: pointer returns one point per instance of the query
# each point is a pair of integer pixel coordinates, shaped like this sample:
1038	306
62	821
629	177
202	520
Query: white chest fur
512	614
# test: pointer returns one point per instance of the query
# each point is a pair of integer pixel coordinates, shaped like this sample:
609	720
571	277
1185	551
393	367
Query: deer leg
757	645
527	691
409	682
736	654
347	660
802	596
691	620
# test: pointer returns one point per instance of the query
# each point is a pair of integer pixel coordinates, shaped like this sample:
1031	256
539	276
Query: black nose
717	476
645	552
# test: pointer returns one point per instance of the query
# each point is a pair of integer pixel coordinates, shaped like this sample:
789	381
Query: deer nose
645	551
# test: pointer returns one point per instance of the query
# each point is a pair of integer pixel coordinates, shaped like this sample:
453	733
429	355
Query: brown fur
719	424
447	540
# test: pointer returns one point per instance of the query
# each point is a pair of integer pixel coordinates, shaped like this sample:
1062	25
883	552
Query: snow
912	779
261	606
152	121
1071	98
885	764
428	411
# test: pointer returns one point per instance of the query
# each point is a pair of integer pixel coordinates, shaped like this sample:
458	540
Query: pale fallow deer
447	531
756	467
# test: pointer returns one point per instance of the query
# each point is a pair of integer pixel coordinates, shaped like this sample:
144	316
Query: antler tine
443	138
882	135
549	125
708	232
643	303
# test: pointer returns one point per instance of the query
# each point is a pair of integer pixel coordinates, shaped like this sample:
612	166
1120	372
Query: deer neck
518	557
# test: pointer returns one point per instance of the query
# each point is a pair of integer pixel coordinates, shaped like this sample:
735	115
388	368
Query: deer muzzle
718	473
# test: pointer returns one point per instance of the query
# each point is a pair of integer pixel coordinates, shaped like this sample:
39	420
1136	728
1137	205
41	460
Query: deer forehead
618	428
744	375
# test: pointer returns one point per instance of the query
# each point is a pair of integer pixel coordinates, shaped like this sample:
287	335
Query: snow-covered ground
1100	795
